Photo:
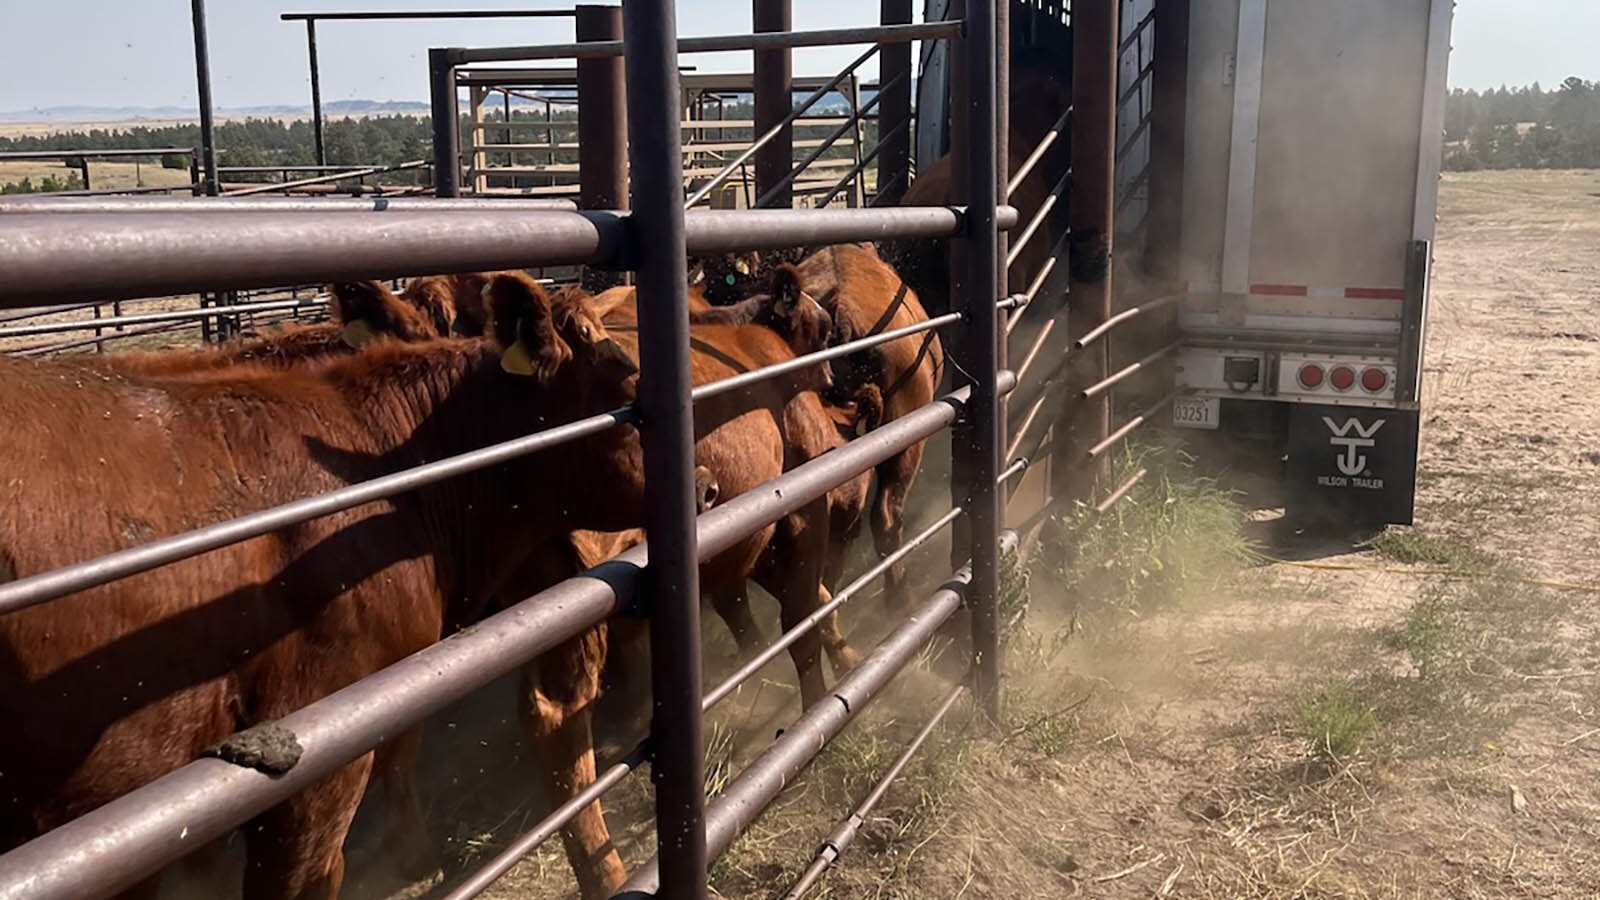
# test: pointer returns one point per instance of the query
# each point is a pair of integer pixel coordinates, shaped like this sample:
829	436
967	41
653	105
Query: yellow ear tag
515	359
357	333
742	265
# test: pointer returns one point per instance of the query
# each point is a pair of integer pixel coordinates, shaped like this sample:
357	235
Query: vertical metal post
979	438
602	114
1090	212
202	77
956	339
656	245
316	92
194	174
476	94
446	124
602	126
83	171
774	89
894	60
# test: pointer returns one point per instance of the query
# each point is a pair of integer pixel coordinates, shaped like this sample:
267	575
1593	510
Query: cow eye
730	279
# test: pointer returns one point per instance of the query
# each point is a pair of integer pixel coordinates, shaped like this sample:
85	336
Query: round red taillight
1310	375
1374	380
1343	378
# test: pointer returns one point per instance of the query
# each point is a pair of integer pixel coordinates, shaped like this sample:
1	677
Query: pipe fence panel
128	249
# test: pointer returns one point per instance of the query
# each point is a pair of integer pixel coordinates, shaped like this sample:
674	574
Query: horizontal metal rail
111	192
46	349
928	420
1026	425
431	14
235	203
172	315
1129	426
1101	387
333	177
36	589
1122	490
769	40
750	668
771	133
1034	350
22	155
268	170
124	256
760	783
1040	217
170	817
839	351
548	827
1014	302
48	311
1017	467
1104	328
841	838
1038	282
822	146
1050	137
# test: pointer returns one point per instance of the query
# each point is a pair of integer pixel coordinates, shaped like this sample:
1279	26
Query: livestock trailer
1311	172
1303	216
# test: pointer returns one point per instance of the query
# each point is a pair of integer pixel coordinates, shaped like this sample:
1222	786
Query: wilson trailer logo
1351	461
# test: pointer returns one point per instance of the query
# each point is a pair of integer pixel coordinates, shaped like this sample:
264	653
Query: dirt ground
1411	714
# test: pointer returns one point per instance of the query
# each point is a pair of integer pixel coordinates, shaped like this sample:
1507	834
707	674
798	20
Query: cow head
727	278
538	334
368	309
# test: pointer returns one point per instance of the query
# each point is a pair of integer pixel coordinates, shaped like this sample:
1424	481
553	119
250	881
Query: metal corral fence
128	249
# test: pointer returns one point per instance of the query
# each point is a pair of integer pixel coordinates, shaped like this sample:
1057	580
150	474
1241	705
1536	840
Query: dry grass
103	174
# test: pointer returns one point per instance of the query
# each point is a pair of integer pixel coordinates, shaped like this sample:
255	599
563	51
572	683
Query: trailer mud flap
1352	464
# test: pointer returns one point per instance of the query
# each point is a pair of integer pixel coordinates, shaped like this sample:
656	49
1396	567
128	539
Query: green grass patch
1416	548
1173	536
1335	721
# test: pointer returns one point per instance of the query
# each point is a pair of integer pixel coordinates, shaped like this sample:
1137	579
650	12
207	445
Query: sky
139	52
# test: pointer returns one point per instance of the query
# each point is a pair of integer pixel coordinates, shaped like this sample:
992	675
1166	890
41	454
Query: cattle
271	624
1037	101
864	295
792	568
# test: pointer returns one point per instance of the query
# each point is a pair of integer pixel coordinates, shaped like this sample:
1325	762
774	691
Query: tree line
1524	127
369	141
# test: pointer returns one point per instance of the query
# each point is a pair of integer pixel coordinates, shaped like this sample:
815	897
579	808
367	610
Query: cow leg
733	607
895	477
296	850
559	690
405	831
803	546
841	655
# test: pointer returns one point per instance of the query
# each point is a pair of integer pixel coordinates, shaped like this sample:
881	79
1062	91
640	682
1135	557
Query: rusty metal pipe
1100	387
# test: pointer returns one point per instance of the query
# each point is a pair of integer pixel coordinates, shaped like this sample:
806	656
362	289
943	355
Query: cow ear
785	290
359	306
521	324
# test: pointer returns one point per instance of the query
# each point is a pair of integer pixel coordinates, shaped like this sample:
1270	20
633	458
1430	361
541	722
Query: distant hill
93	114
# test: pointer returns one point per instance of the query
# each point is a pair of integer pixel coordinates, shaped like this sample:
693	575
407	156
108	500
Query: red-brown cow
274	623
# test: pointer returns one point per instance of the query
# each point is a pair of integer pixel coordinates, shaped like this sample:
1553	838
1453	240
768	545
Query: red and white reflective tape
1309	291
